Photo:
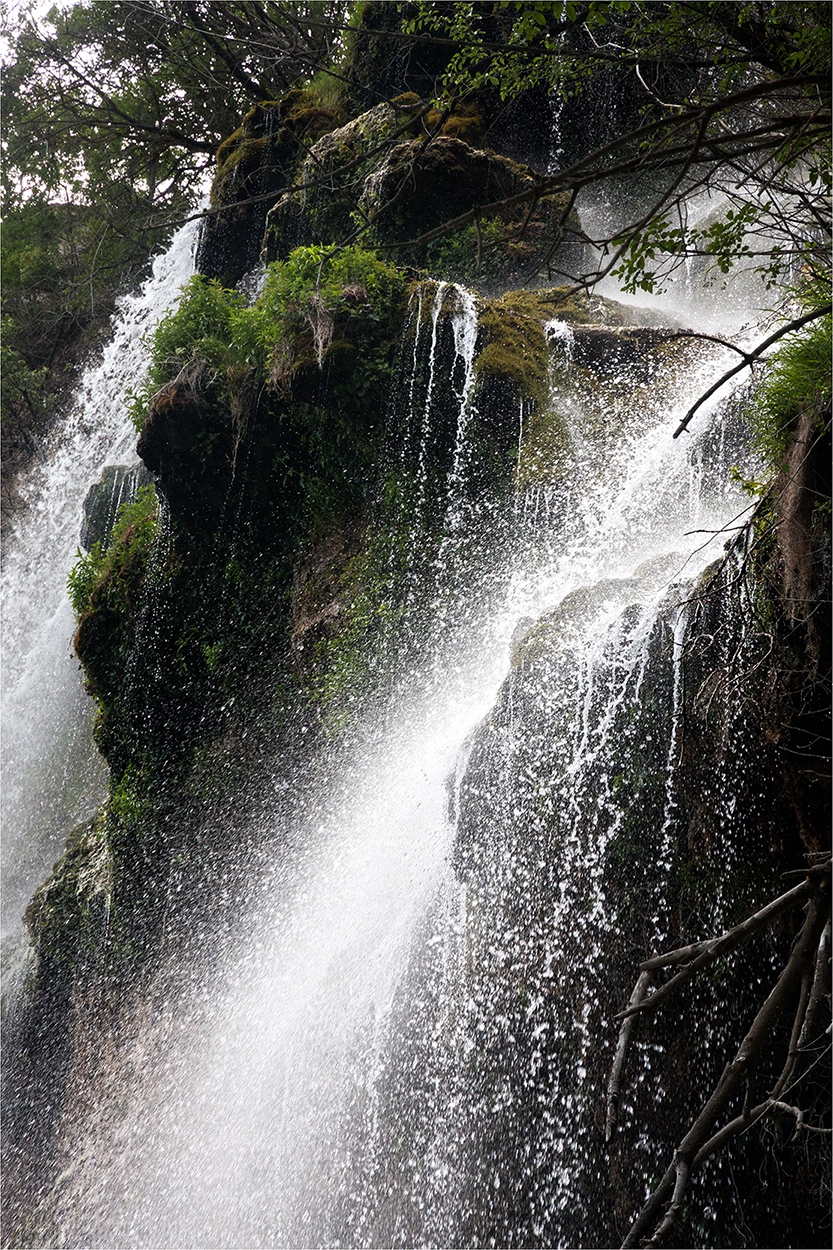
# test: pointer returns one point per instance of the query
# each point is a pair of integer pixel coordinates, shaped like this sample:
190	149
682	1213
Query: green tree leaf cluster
113	110
736	105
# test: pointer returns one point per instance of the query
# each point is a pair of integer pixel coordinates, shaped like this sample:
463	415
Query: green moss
314	121
113	573
407	101
547	446
465	122
515	347
239	164
229	144
564	303
246	153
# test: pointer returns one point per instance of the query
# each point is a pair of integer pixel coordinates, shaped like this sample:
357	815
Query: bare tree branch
664	1206
614	1085
750	357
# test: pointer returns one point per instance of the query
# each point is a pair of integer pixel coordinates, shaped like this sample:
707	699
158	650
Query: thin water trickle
464	325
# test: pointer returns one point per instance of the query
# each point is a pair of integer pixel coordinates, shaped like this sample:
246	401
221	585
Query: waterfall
53	776
361	1064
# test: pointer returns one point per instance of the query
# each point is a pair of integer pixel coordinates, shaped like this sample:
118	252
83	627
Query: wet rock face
187	446
408	187
323	591
424	186
655	801
761	674
118	485
254	164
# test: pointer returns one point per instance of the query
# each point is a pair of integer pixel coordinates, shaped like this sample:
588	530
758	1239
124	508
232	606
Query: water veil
398	1040
53	776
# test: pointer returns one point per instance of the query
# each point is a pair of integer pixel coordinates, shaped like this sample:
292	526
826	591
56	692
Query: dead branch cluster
804	980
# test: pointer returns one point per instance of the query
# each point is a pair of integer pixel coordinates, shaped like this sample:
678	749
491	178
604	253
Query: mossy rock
107	627
602	377
418	188
564	303
515	347
261	142
188	443
117	485
255	161
464	122
312	122
515	350
443	179
68	914
407	102
324	214
546	453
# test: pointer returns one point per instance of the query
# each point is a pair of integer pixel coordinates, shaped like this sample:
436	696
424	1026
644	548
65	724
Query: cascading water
53	776
399	1048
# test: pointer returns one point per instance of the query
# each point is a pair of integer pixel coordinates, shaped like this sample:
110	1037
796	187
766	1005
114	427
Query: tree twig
614	1085
702	953
749	358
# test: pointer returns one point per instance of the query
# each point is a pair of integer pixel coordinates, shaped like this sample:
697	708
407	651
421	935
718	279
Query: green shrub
84	577
314	299
797	377
135	529
349	283
194	337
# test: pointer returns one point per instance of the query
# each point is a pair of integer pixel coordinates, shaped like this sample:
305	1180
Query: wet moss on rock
255	161
322	211
419	187
515	347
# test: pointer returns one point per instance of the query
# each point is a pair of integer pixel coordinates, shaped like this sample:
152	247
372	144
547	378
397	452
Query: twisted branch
807	971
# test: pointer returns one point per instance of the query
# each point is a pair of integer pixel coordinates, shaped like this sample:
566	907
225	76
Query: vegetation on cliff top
118	109
312	304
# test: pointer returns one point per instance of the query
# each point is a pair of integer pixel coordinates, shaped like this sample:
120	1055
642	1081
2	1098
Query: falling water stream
314	1083
53	776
